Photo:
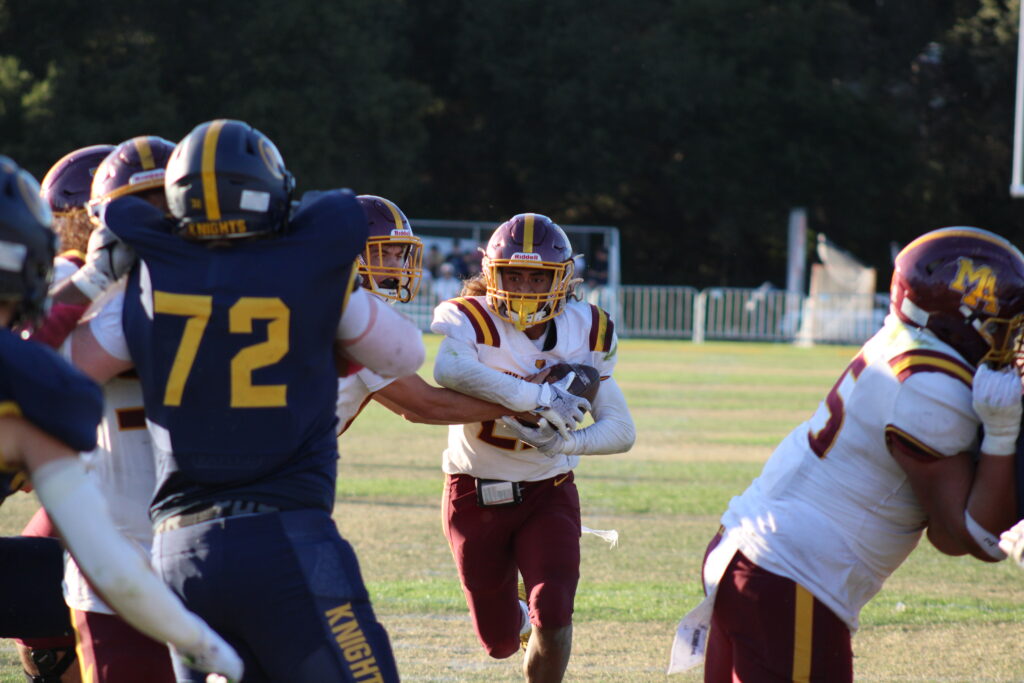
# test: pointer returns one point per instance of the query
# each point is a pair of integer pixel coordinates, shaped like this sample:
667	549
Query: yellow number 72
198	308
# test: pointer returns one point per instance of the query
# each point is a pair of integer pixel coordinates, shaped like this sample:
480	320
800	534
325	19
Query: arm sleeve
458	367
107	329
110	562
380	338
613	430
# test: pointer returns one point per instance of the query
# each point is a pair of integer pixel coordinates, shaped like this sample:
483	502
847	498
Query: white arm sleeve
380	338
114	567
613	430
458	368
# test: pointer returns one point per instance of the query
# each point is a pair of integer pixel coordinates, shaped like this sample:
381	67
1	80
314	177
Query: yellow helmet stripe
210	197
528	234
145	153
395	215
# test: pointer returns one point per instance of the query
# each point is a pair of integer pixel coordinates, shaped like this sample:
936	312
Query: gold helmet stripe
528	233
209	168
977	233
145	153
395	215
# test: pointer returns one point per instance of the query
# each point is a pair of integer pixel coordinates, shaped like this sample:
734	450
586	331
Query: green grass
707	416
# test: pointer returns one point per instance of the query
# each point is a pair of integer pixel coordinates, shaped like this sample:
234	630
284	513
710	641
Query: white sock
527	626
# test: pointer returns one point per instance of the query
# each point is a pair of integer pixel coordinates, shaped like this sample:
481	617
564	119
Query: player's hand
213	655
543	437
1011	542
997	401
560	408
108	258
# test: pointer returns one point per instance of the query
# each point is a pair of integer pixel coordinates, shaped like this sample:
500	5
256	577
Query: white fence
723	313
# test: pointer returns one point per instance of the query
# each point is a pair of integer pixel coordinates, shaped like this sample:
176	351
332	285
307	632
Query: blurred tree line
693	125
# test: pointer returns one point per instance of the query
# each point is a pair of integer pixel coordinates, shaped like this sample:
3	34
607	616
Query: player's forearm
458	368
116	569
416	401
993	501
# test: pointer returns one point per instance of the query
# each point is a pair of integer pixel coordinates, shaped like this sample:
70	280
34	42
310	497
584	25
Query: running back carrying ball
585	384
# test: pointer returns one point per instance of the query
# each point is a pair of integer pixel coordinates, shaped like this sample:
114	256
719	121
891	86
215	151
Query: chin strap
50	664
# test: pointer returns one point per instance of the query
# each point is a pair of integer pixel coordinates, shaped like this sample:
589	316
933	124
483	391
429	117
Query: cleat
526	628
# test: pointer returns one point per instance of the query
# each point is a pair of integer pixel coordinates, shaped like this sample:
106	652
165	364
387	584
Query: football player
887	456
390	268
122	465
49	412
510	502
230	318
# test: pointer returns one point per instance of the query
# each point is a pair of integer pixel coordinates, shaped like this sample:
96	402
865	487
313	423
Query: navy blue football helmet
227	180
27	245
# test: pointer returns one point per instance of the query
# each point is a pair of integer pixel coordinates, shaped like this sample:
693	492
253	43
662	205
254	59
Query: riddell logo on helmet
217	228
142	177
521	256
399	232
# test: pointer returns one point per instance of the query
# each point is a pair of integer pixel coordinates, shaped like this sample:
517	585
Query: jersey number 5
198	308
832	410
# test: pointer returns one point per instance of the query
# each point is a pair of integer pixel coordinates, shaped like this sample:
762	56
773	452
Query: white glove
108	258
560	408
543	437
997	401
213	655
1011	542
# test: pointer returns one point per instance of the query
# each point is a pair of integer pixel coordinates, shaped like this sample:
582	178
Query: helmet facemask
392	282
1004	338
527	309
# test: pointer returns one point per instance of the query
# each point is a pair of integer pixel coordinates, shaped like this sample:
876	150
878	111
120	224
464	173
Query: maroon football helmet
135	166
528	240
966	285
393	275
68	183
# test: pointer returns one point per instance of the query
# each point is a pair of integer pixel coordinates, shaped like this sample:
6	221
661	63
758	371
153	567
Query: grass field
707	417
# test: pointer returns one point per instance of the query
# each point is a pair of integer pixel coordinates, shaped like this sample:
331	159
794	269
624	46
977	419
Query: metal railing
722	313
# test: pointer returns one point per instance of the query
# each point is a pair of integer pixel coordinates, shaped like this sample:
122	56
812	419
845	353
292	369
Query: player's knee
503	649
553	605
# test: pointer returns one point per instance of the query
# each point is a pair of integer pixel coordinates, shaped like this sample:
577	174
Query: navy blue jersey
234	348
40	386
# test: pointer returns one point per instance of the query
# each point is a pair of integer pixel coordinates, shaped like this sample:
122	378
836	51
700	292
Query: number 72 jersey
234	344
832	485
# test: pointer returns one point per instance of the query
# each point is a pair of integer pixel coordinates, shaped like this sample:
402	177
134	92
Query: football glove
1011	542
543	437
997	401
213	654
560	408
108	258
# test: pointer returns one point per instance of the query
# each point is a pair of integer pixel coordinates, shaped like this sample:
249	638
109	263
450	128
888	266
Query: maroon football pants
539	538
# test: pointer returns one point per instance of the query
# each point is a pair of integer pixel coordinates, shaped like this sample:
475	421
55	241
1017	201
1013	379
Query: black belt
219	510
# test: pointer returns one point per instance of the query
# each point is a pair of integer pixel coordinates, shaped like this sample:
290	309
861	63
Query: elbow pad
380	338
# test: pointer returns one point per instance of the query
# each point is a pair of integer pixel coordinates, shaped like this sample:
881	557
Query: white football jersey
581	334
122	465
832	510
354	393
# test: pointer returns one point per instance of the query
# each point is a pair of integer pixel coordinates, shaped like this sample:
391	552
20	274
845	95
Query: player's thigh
341	638
33	569
778	630
114	652
480	537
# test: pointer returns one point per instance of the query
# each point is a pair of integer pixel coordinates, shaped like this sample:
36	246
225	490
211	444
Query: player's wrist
999	444
90	281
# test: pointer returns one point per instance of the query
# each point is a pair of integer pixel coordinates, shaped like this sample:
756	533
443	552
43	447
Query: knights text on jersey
37	384
582	334
234	347
832	510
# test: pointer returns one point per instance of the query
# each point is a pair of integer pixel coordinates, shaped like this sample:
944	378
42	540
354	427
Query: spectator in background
597	274
458	261
446	286
433	260
473	259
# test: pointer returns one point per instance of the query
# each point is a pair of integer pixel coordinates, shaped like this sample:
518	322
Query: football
585	384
